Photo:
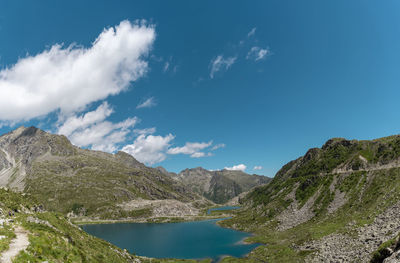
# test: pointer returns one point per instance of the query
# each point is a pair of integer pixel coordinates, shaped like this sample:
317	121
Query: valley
338	203
199	131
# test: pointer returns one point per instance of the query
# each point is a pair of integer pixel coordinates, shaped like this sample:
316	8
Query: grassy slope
55	239
368	193
63	242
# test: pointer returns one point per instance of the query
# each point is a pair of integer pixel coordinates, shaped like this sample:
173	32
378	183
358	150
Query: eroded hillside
338	203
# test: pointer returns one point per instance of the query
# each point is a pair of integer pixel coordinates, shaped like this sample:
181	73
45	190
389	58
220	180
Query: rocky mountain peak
200	169
30	131
334	142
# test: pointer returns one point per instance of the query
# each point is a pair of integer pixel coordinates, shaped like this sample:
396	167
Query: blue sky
220	83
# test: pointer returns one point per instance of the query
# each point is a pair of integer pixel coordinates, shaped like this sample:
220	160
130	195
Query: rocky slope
338	203
218	186
82	182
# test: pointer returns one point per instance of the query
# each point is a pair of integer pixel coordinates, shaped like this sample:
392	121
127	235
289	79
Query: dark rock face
222	189
311	154
334	142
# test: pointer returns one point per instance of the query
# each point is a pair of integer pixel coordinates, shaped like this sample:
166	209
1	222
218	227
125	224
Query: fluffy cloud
70	78
150	102
194	149
149	149
257	167
239	167
152	149
94	131
252	32
73	123
221	63
257	53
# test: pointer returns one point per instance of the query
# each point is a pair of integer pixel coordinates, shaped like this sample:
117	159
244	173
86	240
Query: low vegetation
342	194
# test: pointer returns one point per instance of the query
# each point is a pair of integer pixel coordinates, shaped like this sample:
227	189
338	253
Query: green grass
6	231
66	244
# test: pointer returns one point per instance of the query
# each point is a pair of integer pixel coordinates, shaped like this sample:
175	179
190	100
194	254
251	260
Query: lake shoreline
219	211
205	228
155	220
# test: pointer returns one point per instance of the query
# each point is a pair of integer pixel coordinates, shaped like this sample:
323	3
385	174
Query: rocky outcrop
162	208
393	258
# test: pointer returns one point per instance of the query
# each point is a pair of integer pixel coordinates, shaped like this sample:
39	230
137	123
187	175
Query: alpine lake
182	240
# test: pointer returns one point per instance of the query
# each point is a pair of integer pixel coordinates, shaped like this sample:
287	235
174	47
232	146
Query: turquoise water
222	208
187	240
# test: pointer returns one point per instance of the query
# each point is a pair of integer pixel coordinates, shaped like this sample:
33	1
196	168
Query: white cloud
153	149
166	66
103	136
73	123
239	167
215	147
257	167
194	149
221	63
150	102
257	53
145	131
199	154
149	149
70	78
252	32
92	130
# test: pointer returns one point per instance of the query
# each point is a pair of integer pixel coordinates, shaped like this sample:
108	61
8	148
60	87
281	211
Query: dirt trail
18	244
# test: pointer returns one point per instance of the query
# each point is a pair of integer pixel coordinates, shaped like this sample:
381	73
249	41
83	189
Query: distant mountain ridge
218	186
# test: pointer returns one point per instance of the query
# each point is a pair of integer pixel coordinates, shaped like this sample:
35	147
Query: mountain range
94	184
337	203
218	186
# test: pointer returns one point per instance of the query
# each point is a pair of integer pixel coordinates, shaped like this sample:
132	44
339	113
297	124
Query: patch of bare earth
18	244
339	200
294	215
